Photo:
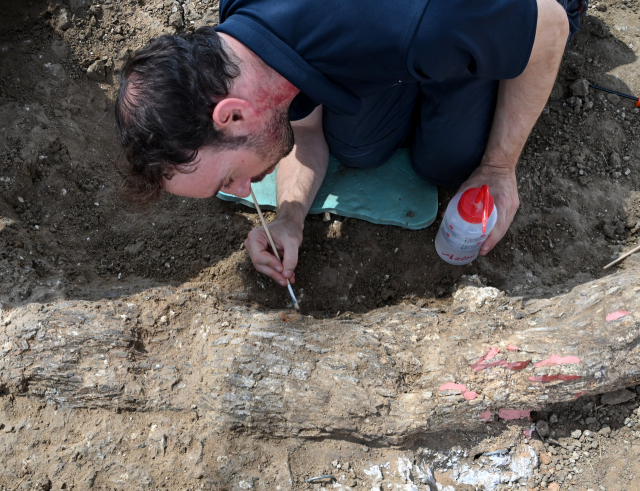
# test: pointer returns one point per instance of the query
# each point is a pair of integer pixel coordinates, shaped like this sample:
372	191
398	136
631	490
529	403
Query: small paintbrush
273	246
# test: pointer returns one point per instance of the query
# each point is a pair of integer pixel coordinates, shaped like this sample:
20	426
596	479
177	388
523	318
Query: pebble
543	428
580	88
617	397
554	486
96	71
576	434
613	99
545	458
605	431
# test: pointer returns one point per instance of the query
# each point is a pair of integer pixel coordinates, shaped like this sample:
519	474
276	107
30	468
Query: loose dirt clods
65	235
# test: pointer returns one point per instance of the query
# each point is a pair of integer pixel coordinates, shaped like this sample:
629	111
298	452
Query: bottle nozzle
484	195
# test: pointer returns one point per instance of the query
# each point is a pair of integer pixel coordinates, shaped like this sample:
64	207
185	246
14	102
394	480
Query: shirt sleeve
490	38
301	106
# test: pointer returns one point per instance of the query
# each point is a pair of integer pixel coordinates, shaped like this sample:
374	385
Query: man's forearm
300	174
521	100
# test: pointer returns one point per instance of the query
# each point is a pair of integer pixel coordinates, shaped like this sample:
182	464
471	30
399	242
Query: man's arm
520	102
298	180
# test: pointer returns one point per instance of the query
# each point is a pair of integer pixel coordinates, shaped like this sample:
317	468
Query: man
290	81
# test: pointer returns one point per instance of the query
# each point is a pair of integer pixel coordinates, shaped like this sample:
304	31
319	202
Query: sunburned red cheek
270	98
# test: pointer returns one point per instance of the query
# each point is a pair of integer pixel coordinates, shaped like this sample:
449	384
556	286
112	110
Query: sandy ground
64	234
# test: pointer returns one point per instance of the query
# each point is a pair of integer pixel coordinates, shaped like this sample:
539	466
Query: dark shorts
446	124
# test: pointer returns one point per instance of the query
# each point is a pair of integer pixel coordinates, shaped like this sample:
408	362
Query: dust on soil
65	234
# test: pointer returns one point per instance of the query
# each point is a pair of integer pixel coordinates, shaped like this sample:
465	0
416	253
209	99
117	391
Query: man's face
233	170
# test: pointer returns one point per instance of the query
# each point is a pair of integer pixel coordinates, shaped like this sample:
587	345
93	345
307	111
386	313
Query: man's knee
445	163
368	161
362	157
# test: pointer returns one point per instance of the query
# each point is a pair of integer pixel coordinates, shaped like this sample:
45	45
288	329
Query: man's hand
287	237
298	180
504	189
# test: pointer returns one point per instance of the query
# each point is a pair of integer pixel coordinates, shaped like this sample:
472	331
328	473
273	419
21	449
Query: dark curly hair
167	94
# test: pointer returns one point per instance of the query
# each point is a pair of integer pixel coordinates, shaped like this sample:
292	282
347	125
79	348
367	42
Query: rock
605	431
617	397
613	99
553	419
96	71
576	434
554	486
175	20
580	87
43	484
545	458
557	92
209	19
121	59
615	160
609	231
543	428
134	249
64	22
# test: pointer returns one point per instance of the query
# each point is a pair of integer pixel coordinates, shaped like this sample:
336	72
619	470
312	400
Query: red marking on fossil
481	364
486	415
517	365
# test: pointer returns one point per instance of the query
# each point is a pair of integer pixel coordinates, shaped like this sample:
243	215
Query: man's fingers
274	275
289	258
498	232
492	240
265	262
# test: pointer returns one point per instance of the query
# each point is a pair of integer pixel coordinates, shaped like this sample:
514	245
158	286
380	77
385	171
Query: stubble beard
275	142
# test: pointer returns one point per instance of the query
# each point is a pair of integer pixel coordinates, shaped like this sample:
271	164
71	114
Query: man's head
184	130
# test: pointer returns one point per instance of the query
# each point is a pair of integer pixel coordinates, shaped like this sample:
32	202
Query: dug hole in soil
65	235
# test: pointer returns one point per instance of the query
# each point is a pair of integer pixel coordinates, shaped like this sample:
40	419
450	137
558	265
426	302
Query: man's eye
227	184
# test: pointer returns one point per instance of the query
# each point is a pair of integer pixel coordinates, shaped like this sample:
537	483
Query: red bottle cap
476	205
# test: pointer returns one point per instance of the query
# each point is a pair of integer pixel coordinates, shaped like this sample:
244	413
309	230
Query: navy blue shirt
337	51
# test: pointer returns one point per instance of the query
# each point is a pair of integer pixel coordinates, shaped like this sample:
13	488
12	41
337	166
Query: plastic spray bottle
467	223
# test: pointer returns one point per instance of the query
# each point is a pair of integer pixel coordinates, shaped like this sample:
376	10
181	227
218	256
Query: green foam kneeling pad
391	194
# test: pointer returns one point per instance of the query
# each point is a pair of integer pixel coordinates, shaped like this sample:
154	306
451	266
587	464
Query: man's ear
234	116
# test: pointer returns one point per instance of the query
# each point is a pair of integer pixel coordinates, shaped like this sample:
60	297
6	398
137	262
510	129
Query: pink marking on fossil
481	364
452	386
514	413
469	395
614	316
511	347
527	433
551	378
579	394
517	365
556	360
486	415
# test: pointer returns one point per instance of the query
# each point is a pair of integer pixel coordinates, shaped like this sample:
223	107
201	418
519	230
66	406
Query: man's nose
244	189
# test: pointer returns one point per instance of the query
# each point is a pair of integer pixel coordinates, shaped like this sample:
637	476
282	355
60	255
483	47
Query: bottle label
456	240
